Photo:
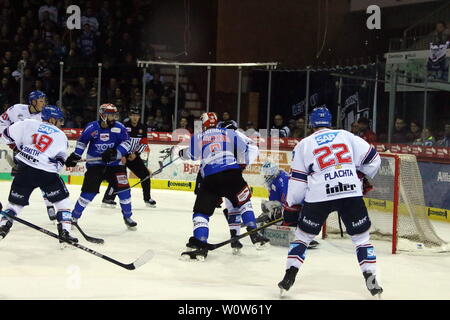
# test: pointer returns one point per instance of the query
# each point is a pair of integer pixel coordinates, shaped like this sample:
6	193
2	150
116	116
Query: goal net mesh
412	230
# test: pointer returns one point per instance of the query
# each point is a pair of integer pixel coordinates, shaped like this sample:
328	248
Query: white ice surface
33	267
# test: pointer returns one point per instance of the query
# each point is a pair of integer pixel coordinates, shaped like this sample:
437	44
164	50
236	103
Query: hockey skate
109	204
235	245
4	229
150	203
372	284
196	250
258	240
64	237
288	280
130	223
51	213
313	244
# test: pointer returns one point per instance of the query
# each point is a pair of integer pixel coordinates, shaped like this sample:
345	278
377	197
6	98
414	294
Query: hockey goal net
397	208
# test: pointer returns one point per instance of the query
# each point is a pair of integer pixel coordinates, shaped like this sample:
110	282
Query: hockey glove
366	185
71	160
184	154
273	209
109	155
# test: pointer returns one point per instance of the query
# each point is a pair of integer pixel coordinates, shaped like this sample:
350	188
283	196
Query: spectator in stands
90	111
70	100
354	128
441	34
278	121
445	141
292	125
91	20
184	113
400	134
226	118
151	124
86	45
49	10
156	85
6	94
415	130
426	139
365	132
299	130
162	123
184	124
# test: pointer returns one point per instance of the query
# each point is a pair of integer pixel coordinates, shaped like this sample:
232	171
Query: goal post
397	208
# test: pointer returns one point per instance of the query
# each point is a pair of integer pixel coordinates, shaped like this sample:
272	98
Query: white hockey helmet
270	171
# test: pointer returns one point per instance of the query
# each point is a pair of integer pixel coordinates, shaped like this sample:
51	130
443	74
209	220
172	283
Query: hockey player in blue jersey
106	139
276	181
222	152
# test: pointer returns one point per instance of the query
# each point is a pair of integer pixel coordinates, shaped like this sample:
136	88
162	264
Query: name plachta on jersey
326	137
46	129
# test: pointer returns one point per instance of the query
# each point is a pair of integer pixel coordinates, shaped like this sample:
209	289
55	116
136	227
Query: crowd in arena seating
35	32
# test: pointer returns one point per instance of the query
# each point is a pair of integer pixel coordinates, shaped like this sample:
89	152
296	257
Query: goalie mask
270	171
108	114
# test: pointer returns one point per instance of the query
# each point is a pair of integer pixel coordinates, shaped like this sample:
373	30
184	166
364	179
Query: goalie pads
272	209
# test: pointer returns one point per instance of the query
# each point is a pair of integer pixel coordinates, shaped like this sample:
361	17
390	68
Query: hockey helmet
50	111
320	117
209	120
108	109
229	124
35	95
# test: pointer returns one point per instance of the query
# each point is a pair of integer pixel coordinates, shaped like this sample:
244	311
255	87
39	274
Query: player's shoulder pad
91	126
118	127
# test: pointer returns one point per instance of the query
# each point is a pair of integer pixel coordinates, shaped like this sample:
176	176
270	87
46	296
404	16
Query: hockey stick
88	160
211	246
150	176
88	238
130	266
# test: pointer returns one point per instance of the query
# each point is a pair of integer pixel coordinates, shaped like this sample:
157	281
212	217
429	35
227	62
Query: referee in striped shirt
138	140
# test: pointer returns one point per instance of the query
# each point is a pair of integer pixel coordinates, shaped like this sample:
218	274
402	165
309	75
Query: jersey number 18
42	142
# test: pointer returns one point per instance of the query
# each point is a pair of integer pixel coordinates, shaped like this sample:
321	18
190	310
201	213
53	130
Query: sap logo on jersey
46	129
326	138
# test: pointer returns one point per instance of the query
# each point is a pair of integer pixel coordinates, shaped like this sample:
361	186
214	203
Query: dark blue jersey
98	140
279	187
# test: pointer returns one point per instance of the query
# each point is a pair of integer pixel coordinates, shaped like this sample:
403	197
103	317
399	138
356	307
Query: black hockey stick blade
211	246
130	266
88	238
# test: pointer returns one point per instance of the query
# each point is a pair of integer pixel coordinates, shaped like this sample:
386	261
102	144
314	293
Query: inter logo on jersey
46	129
104	136
326	137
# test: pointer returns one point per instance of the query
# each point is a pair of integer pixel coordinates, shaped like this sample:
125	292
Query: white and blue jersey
220	150
100	139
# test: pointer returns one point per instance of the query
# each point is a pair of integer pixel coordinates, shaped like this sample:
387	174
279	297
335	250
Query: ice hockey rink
32	265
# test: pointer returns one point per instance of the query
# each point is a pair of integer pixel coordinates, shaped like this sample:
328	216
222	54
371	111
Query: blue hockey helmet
35	95
320	117
52	112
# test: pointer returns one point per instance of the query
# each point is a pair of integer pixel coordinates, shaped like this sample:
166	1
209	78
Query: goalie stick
211	246
130	266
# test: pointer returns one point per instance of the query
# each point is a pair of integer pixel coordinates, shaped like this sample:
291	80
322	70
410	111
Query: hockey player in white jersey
37	100
326	170
42	153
